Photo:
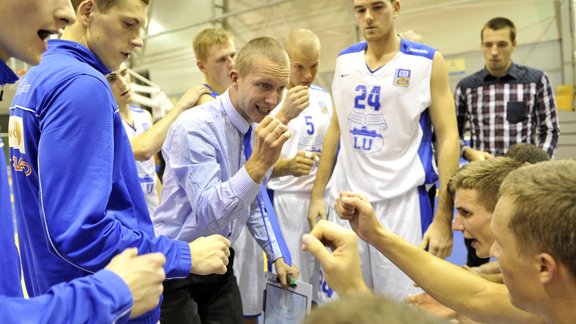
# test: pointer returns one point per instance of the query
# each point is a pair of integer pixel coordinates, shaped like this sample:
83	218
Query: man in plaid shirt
506	103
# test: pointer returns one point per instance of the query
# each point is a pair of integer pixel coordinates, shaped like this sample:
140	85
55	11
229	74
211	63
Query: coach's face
261	89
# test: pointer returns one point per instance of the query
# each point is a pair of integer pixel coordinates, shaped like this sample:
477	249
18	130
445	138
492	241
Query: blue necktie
268	205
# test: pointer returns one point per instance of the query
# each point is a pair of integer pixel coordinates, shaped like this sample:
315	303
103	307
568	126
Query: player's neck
75	33
125	113
499	72
218	88
562	307
380	52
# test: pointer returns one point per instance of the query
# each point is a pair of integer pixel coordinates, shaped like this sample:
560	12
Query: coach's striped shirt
516	108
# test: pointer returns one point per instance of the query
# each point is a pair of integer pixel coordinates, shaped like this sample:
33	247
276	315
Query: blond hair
208	38
485	177
102	5
544	213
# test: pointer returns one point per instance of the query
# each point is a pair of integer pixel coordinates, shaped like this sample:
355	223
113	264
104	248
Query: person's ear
396	9
234	76
86	12
547	268
201	66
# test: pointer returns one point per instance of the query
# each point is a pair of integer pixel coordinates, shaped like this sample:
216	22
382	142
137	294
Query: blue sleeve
78	159
99	298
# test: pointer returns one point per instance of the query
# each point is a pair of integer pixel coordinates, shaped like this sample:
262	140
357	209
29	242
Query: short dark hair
103	5
500	23
524	152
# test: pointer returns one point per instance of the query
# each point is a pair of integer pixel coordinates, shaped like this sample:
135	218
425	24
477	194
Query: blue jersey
77	193
9	262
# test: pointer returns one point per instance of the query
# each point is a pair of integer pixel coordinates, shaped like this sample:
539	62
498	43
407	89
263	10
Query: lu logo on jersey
402	78
323	107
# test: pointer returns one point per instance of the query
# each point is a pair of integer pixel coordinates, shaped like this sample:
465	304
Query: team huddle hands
269	136
209	254
300	165
143	274
316	211
471	154
190	98
284	271
357	210
295	101
342	266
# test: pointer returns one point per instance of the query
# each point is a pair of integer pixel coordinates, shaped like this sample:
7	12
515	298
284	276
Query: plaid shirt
515	108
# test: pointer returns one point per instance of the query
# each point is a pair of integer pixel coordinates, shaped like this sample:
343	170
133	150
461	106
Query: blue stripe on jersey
425	150
136	108
426	212
358	47
213	93
316	87
412	48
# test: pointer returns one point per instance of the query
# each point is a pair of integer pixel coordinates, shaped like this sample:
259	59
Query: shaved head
302	40
303	48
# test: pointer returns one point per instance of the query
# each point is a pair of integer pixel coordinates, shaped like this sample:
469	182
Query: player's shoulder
137	109
358	47
317	88
417	49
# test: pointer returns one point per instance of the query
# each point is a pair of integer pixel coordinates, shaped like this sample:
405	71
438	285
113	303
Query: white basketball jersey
385	142
307	134
146	169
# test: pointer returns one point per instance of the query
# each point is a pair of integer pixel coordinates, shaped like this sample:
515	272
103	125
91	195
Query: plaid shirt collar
511	73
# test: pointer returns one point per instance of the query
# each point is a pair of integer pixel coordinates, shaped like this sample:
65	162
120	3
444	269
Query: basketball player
388	93
294	173
146	137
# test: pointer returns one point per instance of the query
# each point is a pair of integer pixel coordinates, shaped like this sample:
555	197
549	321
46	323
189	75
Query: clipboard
285	306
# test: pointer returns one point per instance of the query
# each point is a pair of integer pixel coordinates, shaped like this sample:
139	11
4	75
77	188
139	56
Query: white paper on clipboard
285	306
